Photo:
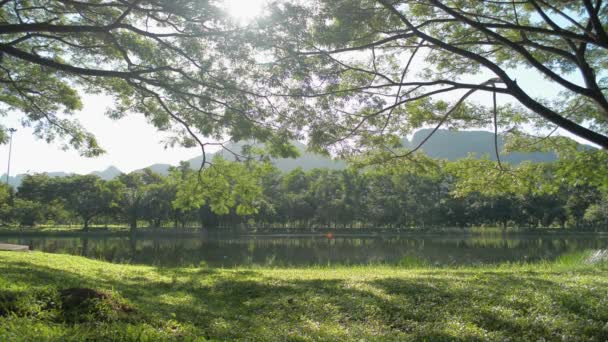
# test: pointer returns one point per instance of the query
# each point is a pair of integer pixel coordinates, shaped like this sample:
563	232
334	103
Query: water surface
317	250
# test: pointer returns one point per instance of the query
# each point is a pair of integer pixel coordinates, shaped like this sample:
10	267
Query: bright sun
244	11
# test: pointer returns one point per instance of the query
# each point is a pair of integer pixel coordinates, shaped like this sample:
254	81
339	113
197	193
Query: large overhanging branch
512	88
592	92
29	57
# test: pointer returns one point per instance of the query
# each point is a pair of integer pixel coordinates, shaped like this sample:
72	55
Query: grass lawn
564	300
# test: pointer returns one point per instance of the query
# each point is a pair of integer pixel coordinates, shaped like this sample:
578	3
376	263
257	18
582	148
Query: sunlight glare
244	11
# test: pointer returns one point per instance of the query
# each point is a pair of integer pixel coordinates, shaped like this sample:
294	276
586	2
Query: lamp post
10	148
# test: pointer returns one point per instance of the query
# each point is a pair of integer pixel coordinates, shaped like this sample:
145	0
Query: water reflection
315	250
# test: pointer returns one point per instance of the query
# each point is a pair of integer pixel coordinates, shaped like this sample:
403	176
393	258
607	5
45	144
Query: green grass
563	300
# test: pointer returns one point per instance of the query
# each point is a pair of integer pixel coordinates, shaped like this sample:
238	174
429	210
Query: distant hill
454	145
108	173
444	144
162	169
306	160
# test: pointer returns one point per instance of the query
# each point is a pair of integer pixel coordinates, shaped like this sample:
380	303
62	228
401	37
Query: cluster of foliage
430	193
134	197
422	193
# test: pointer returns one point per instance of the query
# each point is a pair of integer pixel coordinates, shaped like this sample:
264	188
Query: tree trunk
132	225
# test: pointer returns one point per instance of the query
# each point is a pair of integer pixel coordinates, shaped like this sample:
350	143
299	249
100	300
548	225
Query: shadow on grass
507	304
249	304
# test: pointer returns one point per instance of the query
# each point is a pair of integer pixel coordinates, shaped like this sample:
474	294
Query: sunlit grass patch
565	299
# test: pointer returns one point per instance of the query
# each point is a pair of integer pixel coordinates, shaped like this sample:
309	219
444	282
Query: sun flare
244	11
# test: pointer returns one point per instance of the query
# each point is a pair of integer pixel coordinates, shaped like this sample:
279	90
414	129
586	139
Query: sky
131	143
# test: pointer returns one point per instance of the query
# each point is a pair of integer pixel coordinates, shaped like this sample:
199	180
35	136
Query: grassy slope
566	300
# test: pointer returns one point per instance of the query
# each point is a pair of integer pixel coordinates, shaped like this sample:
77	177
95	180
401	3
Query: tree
382	200
6	201
364	73
578	201
28	213
159	194
176	62
299	204
88	196
271	205
39	187
327	195
353	185
131	192
223	186
40	199
597	214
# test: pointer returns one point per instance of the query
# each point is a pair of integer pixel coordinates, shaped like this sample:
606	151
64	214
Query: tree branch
511	85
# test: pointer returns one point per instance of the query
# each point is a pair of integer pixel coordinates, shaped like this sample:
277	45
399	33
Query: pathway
14	248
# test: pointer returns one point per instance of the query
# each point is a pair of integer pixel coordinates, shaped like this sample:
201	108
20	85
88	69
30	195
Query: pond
317	250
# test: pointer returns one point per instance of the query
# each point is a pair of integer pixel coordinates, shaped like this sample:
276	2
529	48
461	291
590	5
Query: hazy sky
131	143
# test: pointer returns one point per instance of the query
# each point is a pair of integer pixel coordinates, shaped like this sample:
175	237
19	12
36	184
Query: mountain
444	144
162	169
306	160
454	145
108	173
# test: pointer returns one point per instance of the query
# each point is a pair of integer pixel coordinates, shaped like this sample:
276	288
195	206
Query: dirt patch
75	297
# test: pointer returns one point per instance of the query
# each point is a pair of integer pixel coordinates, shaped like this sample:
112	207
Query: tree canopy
371	71
346	75
172	61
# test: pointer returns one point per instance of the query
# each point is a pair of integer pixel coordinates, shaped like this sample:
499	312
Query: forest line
424	194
